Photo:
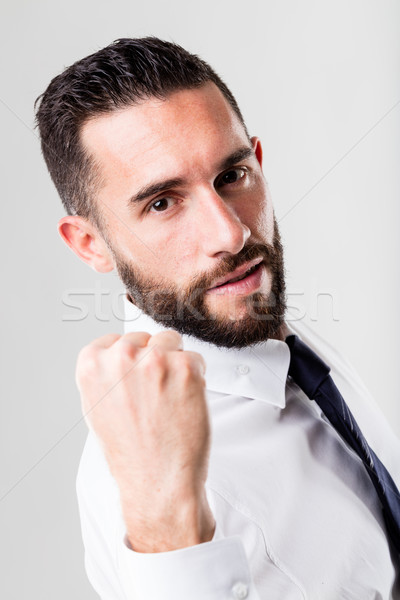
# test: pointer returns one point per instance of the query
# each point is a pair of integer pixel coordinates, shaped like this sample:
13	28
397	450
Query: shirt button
240	591
242	369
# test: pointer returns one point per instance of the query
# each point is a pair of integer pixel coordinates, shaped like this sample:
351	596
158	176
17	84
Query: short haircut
121	74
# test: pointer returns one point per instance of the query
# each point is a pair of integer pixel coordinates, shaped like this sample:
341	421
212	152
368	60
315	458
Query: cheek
184	257
176	253
259	215
265	222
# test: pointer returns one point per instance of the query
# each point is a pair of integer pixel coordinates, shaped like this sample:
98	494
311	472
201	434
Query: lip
219	283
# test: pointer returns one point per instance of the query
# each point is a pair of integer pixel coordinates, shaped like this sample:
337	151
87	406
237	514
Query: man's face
185	208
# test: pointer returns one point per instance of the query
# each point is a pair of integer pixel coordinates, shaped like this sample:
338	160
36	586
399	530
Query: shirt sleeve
215	570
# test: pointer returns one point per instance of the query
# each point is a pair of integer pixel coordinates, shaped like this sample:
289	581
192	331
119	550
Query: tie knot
306	368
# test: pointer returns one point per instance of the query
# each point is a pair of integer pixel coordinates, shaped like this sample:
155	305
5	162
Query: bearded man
223	460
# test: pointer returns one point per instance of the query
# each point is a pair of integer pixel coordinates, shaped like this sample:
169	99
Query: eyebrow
237	156
161	186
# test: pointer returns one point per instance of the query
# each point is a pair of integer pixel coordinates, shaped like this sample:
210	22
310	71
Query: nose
221	229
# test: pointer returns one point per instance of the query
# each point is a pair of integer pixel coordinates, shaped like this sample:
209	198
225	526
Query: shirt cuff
216	570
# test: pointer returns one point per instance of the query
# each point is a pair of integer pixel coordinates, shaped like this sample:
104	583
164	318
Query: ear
85	240
256	143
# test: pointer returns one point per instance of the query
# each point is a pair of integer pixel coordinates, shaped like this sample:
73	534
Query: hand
144	397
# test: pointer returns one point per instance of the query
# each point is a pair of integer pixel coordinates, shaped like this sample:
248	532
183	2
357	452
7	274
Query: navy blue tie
312	375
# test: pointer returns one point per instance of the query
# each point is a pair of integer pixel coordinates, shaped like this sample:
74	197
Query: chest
300	499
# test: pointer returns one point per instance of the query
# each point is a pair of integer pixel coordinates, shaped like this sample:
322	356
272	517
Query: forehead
185	133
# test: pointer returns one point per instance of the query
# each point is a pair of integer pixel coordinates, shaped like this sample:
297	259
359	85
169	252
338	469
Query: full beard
186	310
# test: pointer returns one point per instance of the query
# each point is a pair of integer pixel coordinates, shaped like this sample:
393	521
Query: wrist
181	524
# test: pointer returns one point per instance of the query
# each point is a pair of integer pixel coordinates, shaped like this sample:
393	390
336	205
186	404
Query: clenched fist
144	397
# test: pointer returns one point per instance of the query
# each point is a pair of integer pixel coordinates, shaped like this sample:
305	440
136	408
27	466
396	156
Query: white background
319	82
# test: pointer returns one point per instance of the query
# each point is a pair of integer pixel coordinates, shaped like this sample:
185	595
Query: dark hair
125	72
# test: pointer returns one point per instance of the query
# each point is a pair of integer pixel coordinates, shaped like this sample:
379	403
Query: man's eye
232	176
160	205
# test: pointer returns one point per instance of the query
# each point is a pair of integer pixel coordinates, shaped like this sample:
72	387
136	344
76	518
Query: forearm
207	570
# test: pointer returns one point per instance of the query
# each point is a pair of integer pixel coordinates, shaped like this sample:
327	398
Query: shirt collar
257	372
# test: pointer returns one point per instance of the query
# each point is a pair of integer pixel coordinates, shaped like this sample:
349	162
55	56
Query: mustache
230	263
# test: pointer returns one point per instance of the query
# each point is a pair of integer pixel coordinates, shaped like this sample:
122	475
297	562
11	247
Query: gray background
319	83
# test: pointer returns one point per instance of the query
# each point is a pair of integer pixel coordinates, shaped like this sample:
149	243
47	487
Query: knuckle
169	336
87	357
174	335
192	363
156	359
127	350
87	364
153	365
184	365
137	338
199	358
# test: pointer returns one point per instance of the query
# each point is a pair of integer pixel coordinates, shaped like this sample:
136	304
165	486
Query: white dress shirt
297	515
